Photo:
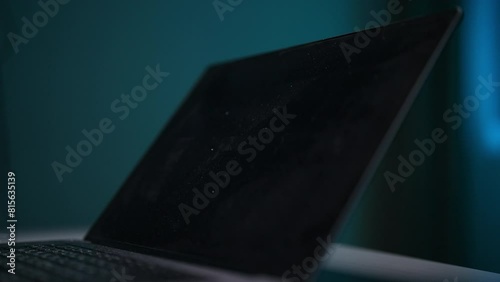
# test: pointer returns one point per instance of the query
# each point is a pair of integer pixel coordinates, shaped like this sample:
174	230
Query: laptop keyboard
74	262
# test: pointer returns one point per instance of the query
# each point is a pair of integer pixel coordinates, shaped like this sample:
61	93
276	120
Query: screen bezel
362	183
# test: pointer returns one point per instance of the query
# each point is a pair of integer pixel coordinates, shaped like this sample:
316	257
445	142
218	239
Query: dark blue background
65	78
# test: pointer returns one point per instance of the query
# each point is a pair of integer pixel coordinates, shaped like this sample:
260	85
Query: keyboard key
70	262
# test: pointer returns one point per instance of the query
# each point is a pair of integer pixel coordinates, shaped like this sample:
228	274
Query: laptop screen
255	168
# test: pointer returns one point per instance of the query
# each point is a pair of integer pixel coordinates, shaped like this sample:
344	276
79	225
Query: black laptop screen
260	160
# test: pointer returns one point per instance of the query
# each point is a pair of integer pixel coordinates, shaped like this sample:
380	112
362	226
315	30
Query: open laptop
262	161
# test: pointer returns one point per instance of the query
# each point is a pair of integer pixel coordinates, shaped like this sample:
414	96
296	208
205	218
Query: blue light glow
481	32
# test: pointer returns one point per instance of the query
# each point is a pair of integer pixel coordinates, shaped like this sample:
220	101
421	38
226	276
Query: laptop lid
259	163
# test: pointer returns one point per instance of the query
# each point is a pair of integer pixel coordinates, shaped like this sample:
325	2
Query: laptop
258	169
